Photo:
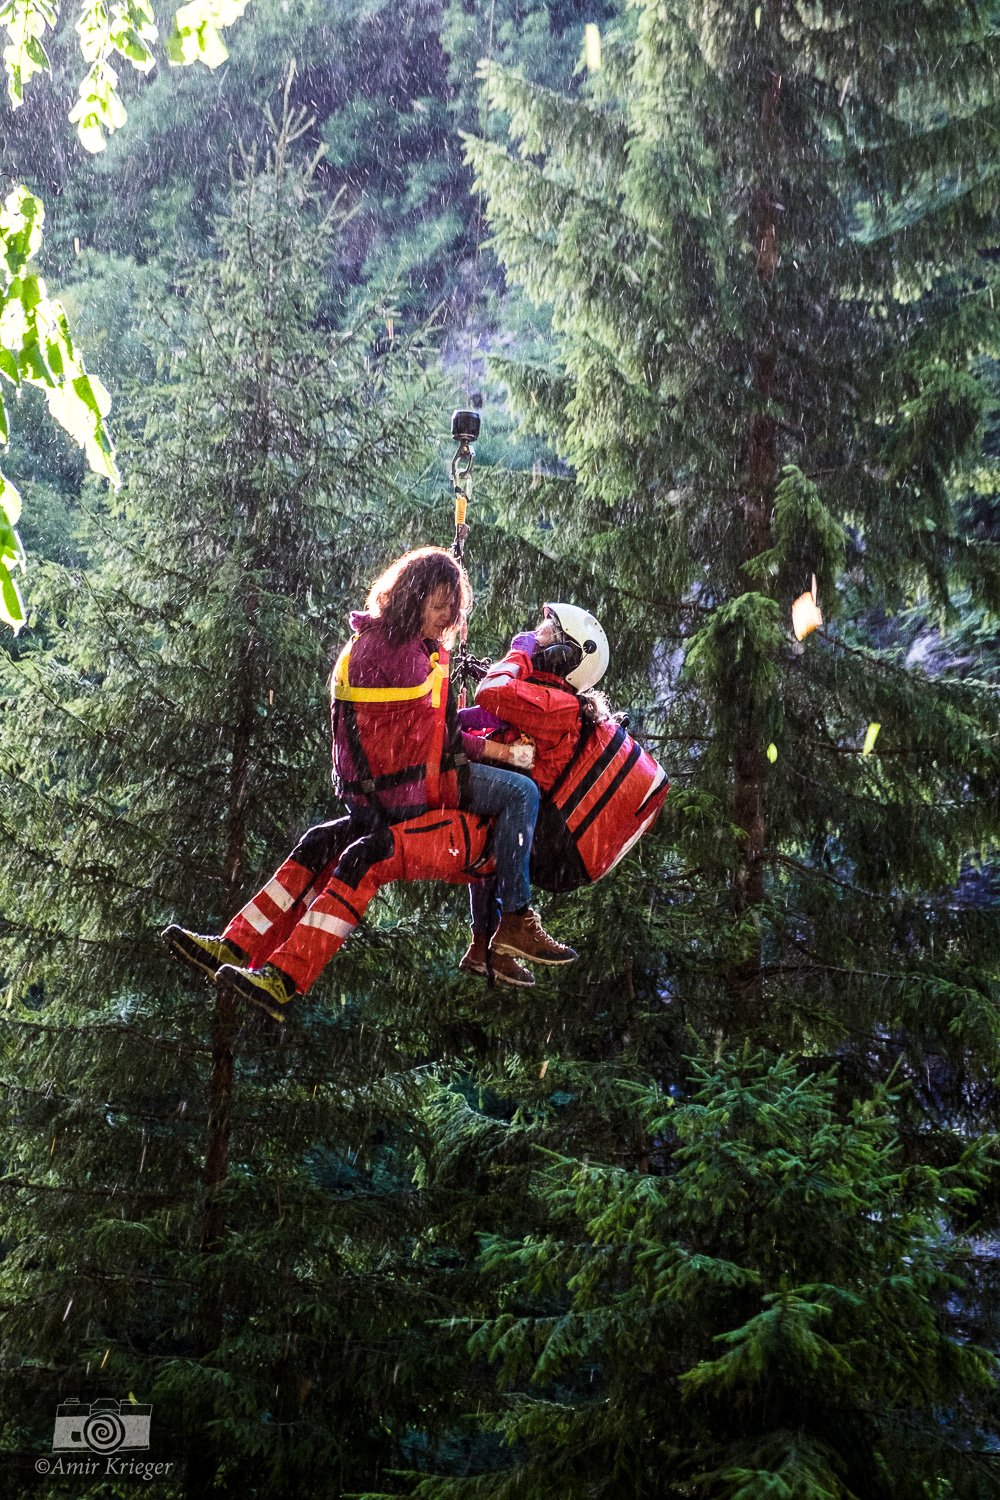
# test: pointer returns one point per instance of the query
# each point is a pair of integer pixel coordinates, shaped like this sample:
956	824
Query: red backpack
607	797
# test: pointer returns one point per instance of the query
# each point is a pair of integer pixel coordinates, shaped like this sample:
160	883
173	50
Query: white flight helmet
580	626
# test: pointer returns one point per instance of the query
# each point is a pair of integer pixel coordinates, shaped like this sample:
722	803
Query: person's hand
522	756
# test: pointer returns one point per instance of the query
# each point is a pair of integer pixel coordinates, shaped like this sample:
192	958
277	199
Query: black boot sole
483	973
249	994
533	958
180	946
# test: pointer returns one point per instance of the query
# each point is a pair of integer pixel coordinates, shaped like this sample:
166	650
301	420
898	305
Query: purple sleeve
474	724
474	746
478	720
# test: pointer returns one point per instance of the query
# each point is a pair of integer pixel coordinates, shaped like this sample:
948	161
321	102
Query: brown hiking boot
522	935
506	970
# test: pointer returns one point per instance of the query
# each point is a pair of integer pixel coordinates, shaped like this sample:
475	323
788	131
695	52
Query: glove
558	659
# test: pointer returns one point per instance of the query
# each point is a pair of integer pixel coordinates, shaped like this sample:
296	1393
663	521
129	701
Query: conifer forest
713	1211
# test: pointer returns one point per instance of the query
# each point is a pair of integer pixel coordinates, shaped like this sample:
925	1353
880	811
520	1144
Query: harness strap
343	692
343	713
388	781
345	697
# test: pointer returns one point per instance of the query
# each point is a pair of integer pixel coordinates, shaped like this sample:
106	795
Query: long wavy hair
594	707
397	597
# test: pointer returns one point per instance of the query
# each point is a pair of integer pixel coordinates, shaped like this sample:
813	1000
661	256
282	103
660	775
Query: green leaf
36	347
93	394
11	603
21	219
10	514
8	367
11	555
195	36
36	52
89	133
128	29
54	358
25	22
31	292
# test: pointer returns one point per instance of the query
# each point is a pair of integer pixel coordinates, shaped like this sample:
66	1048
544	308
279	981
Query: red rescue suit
302	916
538	705
396	749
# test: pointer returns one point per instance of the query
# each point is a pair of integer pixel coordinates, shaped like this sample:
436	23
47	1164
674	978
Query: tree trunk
749	758
220	1083
220	1087
201	1463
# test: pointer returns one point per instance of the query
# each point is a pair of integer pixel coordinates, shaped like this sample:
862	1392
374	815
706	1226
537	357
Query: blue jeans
484	907
511	800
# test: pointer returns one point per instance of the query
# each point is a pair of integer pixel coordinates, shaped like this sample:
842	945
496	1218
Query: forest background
714	1212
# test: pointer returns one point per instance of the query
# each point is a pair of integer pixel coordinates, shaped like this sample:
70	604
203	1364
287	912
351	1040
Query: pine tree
226	1233
765	238
760	1315
385	90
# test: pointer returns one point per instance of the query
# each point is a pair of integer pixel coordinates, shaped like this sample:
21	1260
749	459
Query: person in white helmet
544	690
600	792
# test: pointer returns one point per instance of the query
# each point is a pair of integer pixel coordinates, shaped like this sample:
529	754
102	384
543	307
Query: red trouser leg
320	932
268	918
436	846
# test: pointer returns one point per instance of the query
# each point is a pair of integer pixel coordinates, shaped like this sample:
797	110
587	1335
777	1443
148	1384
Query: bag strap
586	730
